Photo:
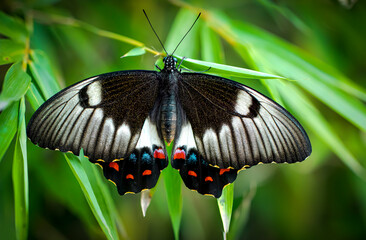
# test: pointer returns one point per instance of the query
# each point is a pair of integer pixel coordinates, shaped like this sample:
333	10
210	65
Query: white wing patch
211	145
94	92
149	135
122	139
243	102
186	137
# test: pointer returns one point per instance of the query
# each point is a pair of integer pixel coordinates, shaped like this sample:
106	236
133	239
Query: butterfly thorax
168	112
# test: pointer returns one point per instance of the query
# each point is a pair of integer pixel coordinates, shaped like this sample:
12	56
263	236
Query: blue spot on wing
146	158
133	158
192	158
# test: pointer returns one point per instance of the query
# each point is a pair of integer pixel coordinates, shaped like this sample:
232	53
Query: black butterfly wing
235	127
195	171
108	117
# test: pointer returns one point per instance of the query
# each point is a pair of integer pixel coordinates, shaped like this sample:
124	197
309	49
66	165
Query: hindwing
235	126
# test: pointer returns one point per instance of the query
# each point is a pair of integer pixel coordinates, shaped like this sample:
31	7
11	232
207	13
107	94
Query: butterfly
124	120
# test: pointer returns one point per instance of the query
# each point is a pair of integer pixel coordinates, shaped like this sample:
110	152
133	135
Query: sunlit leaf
10	51
15	85
8	123
13	28
20	178
313	119
80	174
34	97
96	200
135	52
321	80
43	74
211	49
173	188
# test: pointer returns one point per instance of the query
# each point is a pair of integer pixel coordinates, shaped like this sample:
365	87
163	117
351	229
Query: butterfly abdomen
168	116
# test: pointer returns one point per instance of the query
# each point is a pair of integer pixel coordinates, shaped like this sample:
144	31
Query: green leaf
225	70
96	200
34	97
15	85
211	49
10	51
102	218
101	192
13	28
225	203
319	79
241	214
180	26
20	178
8	123
173	188
313	119
135	52
43	74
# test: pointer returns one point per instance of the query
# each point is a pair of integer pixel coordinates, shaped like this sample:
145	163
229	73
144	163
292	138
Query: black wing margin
240	127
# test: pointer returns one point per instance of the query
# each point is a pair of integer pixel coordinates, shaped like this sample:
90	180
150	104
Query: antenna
186	33
155	32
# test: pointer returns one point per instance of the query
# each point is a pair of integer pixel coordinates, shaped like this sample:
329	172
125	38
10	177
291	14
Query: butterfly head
170	63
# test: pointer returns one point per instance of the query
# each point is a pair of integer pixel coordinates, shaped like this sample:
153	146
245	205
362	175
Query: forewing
235	126
108	116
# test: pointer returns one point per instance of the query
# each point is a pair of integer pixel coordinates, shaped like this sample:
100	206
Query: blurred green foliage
318	49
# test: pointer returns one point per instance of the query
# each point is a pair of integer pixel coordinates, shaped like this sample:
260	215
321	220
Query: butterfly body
122	120
169	77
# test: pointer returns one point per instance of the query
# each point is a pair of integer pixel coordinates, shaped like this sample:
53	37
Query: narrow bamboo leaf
287	13
101	193
241	214
312	119
280	57
180	26
211	49
225	203
43	74
81	176
135	52
8	123
225	70
10	51
13	28
188	47
34	97
173	188
15	85
20	178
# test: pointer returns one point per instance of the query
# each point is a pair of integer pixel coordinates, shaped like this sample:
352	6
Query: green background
318	46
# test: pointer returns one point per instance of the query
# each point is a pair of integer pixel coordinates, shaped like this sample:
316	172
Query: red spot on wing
192	173
179	154
224	170
129	176
159	153
146	172
207	179
114	165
